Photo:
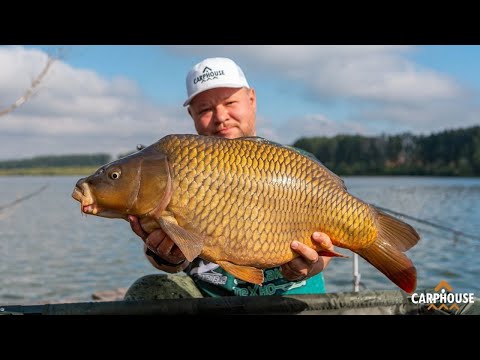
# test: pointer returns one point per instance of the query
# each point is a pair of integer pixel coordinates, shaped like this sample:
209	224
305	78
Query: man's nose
221	114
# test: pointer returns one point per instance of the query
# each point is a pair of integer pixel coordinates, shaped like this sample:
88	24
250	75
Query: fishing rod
429	223
23	198
228	305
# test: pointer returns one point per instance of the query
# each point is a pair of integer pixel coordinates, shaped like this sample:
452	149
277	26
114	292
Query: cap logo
208	74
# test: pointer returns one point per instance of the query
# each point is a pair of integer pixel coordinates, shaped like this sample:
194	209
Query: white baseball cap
214	73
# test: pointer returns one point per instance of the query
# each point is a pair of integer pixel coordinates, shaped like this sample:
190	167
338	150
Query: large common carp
241	202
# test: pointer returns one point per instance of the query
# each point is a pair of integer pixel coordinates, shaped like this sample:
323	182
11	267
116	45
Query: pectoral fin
245	273
190	243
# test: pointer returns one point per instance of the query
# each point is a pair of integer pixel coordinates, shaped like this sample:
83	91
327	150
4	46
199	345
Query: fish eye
114	175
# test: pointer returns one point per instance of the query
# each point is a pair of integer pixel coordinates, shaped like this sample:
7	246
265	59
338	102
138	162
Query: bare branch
30	90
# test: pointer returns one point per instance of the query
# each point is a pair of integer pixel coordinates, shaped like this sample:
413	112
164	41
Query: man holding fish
221	103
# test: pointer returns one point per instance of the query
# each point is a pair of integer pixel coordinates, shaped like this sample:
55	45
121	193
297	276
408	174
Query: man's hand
309	263
161	246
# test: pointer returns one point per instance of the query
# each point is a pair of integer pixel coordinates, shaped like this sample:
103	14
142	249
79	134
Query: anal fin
324	251
331	253
245	273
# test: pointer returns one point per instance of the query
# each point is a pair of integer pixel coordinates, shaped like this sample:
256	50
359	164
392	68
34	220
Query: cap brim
234	86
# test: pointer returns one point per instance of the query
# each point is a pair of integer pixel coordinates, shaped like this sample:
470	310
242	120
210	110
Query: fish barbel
241	202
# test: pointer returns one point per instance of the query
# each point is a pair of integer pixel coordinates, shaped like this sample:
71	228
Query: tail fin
386	253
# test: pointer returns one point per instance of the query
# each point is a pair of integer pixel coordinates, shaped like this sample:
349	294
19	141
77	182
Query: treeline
57	161
447	153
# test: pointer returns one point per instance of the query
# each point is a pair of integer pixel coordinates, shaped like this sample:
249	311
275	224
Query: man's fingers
323	240
177	253
307	253
136	227
164	247
155	239
309	260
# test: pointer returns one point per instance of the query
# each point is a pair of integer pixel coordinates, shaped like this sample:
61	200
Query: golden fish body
241	202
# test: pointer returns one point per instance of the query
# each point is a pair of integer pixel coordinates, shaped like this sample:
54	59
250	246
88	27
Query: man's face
224	112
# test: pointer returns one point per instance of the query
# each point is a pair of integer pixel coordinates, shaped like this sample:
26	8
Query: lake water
50	252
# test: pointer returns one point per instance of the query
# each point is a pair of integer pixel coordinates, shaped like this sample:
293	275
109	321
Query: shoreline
50	171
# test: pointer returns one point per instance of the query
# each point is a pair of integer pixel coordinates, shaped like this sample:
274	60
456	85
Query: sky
108	99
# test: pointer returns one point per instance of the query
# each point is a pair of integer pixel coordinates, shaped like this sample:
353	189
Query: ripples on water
50	252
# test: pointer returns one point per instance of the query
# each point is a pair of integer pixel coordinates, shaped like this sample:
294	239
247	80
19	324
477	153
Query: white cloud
372	73
306	126
383	90
76	110
424	118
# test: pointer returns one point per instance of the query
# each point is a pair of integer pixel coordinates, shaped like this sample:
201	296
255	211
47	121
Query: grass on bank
51	171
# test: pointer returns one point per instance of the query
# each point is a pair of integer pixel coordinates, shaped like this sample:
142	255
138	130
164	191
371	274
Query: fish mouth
82	194
89	209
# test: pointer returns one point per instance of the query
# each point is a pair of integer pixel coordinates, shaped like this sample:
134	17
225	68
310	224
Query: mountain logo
207	75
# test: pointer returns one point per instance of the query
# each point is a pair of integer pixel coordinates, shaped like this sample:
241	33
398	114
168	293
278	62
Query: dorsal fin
258	139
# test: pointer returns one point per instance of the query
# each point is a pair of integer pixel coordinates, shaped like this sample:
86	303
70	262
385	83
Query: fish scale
302	217
241	203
